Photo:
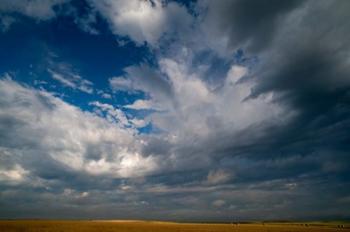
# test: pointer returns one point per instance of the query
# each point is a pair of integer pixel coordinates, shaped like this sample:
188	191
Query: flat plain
154	226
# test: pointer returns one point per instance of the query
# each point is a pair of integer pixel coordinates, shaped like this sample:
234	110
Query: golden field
149	226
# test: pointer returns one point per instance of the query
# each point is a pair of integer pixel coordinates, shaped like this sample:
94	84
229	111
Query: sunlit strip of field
148	226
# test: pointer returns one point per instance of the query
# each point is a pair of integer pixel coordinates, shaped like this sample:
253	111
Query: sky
175	110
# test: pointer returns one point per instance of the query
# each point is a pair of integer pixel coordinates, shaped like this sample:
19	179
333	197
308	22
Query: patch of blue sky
30	49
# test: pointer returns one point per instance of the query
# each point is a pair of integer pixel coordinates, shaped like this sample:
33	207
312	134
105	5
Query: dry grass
143	226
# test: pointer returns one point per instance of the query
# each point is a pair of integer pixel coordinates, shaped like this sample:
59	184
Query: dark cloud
251	24
309	71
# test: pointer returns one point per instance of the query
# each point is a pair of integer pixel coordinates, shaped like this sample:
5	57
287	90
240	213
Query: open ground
148	226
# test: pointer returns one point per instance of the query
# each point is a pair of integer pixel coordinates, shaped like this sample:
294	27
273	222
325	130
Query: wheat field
149	226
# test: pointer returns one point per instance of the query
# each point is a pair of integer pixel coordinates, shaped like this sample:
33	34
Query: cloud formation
73	81
247	24
241	110
76	140
143	21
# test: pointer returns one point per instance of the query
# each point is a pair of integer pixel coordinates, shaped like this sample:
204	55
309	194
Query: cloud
195	102
143	78
218	177
218	203
250	113
52	131
198	123
72	80
112	114
143	21
37	9
86	21
120	84
241	23
16	174
115	115
313	66
197	118
6	22
104	94
141	104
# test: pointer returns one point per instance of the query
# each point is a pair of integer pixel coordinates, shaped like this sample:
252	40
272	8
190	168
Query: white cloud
142	21
73	81
106	95
79	140
71	193
120	84
113	115
192	110
15	174
63	80
195	114
234	74
138	123
137	19
199	111
219	203
141	104
129	165
218	177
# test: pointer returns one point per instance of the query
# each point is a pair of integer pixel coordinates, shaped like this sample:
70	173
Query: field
149	226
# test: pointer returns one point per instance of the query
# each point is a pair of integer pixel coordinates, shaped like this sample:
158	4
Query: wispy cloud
72	80
41	10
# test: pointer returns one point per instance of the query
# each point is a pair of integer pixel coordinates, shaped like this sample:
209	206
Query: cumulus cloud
54	131
195	102
143	21
253	112
199	120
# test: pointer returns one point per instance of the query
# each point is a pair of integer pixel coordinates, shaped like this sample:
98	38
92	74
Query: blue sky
61	42
175	110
